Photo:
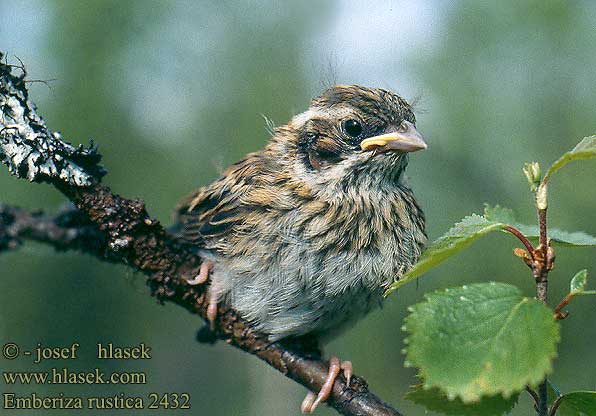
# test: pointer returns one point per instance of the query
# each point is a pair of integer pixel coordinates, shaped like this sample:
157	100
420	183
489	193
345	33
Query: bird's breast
317	267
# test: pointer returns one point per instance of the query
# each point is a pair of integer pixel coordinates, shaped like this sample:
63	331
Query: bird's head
350	135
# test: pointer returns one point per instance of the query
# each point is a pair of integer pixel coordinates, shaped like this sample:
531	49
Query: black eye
352	127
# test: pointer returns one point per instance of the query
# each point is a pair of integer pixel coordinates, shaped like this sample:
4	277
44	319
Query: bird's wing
212	215
208	213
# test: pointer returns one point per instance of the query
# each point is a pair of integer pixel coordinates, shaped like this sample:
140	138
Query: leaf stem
527	244
557	311
555	406
534	395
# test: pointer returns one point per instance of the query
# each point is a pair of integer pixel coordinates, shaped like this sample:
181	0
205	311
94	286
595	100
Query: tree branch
541	273
120	230
69	230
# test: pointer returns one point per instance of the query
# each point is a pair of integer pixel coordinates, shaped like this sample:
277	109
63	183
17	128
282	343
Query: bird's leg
212	295
311	401
307	403
212	298
203	275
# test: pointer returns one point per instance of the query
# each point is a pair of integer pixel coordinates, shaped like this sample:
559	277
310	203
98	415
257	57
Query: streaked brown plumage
304	236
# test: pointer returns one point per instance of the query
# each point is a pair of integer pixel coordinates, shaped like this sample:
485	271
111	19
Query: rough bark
117	229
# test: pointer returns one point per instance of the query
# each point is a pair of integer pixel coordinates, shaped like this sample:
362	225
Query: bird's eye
352	127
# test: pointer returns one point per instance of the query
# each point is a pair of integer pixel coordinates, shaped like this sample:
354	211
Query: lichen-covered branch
32	151
69	230
117	229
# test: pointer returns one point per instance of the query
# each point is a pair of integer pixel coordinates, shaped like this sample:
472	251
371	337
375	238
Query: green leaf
436	401
578	403
579	281
586	149
456	239
578	284
472	227
552	392
532	172
563	238
560	237
499	214
481	340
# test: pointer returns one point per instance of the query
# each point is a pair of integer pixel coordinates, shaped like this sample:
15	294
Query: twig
541	269
127	234
69	230
45	82
541	274
527	244
555	406
534	395
557	311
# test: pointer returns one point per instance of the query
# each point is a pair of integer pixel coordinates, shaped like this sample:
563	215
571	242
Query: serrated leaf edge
412	390
571	155
566	395
422	265
473	398
583	275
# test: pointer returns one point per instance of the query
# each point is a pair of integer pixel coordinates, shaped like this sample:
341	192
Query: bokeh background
174	91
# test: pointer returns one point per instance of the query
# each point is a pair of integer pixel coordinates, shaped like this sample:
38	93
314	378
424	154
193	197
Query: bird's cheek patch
314	160
323	153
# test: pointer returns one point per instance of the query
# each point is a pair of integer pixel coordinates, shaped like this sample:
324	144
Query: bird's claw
307	403
203	275
346	366
312	400
212	297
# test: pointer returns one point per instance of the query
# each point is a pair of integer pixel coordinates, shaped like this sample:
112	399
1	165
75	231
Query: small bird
303	237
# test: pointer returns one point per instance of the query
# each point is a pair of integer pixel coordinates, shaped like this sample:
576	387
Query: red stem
542	222
527	244
555	406
541	275
562	315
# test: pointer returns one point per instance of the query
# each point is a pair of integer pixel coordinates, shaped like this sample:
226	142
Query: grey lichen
32	151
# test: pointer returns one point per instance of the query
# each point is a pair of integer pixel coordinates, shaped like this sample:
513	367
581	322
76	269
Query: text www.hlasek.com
66	376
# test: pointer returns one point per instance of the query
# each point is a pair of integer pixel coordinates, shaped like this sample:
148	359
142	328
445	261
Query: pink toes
203	275
212	297
311	401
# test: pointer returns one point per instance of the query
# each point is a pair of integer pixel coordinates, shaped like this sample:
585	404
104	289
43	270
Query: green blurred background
174	91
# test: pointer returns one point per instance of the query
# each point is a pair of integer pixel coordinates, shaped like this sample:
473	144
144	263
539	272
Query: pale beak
405	139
